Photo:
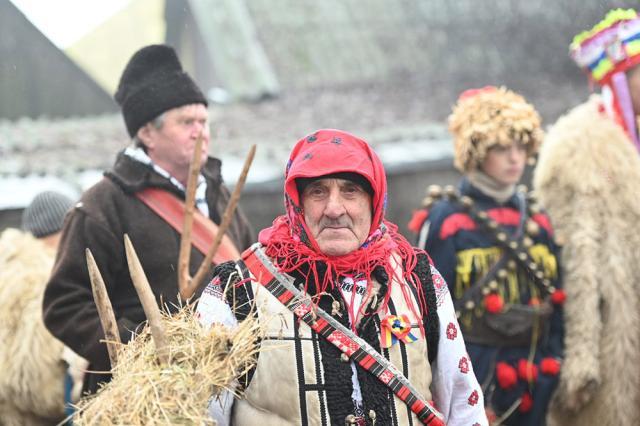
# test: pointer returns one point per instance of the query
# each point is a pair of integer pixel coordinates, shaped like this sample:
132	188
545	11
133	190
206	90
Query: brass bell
546	282
427	202
492	224
533	228
552	289
372	415
493	285
350	420
512	264
534	208
467	202
501	236
522	256
513	245
344	357
434	191
502	273
527	242
532	266
450	191
482	215
485	291
469	304
539	275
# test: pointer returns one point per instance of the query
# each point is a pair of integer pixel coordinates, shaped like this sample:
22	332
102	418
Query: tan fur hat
491	116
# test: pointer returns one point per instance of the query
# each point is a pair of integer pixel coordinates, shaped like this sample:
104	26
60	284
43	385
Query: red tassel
550	366
527	371
418	218
558	297
493	303
506	375
526	403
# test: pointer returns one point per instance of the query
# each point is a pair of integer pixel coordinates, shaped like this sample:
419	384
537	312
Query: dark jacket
99	221
463	252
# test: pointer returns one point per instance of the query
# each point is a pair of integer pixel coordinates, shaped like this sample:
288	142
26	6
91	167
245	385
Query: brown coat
99	221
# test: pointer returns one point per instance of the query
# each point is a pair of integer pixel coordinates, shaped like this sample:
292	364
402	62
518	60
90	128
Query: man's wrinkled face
171	146
338	214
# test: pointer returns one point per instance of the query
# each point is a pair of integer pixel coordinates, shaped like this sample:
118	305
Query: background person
495	248
165	113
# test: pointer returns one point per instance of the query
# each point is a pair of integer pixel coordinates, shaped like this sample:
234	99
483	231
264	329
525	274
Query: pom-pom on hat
153	82
611	46
491	116
45	215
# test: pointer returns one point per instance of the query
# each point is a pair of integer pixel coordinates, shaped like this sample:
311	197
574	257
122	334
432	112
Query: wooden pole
224	225
105	310
148	300
185	241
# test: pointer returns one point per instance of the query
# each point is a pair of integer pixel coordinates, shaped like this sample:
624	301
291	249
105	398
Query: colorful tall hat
491	116
611	46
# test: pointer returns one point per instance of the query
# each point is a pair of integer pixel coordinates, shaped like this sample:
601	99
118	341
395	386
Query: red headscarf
290	243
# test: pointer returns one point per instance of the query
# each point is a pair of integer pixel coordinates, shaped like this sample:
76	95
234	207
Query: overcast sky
66	21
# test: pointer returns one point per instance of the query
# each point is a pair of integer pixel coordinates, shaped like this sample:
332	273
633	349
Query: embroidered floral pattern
473	398
463	365
452	331
440	286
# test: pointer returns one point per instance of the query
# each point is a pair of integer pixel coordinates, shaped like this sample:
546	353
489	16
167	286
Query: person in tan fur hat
587	176
494	247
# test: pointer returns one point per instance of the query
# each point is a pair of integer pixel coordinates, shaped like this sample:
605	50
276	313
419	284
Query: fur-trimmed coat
31	368
587	177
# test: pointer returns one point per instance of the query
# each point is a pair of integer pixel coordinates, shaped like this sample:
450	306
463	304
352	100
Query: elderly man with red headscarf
360	326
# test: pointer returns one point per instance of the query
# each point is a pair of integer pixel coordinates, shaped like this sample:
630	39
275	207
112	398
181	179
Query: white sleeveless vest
277	395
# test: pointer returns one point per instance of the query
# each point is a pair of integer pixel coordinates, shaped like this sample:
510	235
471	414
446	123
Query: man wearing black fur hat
165	113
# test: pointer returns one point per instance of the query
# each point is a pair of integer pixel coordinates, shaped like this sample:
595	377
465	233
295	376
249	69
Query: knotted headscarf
291	244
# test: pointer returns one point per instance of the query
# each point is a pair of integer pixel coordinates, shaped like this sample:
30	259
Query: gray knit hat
45	215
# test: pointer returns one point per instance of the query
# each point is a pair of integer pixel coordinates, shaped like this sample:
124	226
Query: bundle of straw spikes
203	363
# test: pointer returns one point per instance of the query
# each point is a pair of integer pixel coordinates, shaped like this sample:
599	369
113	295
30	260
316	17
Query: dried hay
203	363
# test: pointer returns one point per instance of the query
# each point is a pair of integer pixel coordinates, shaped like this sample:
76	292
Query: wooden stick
105	310
148	300
185	241
224	225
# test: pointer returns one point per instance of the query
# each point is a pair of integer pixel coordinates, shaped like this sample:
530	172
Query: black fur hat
153	82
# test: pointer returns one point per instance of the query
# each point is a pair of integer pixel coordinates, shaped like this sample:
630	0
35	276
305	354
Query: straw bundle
203	362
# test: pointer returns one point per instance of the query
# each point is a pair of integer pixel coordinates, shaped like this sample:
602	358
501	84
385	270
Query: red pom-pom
550	366
527	371
493	303
558	297
526	403
506	375
418	218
